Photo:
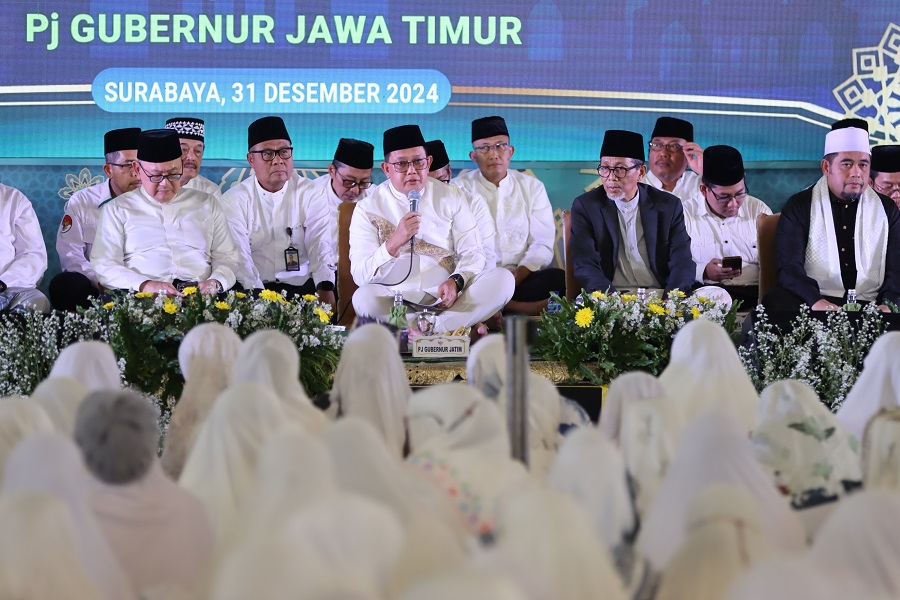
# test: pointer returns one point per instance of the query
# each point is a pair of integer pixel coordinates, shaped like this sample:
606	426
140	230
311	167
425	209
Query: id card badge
291	259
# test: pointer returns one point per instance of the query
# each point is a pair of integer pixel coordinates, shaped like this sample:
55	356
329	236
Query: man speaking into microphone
421	239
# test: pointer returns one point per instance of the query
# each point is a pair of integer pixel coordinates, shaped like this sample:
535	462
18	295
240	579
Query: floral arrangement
600	336
827	352
145	331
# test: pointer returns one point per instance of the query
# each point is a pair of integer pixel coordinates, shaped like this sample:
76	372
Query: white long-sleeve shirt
79	227
522	217
23	255
202	184
715	237
448	240
260	219
687	187
140	239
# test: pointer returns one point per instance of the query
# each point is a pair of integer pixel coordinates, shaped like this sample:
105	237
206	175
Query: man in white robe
672	151
23	256
161	235
77	283
192	136
446	266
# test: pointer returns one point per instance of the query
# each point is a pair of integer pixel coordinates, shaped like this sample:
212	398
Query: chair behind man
345	284
766	226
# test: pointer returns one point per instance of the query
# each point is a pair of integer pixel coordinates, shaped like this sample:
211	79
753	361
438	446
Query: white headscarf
881	452
92	363
19	418
466	583
626	388
705	371
543	423
792	578
555	537
38	551
714	449
206	357
270	358
724	538
343	543
60	398
364	466
221	467
807	449
861	540
486	365
429	548
878	386
371	383
459	442
51	463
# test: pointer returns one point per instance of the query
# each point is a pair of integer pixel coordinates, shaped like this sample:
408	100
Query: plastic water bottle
641	294
851	296
553	305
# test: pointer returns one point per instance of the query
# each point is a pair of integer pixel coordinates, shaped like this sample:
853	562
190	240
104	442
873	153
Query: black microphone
413	196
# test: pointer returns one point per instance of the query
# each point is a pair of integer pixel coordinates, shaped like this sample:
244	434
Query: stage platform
425	372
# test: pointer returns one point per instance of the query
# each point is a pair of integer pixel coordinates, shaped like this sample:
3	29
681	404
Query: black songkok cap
355	153
722	165
439	159
886	159
674	128
852	122
265	129
624	144
187	127
158	146
121	139
488	127
403	137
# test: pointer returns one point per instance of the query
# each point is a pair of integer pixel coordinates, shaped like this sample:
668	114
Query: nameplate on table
441	346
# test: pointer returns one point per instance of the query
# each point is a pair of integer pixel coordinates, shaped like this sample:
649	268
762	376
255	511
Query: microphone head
414	196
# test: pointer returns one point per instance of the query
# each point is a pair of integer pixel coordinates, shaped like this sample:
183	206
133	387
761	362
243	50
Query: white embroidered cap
849	139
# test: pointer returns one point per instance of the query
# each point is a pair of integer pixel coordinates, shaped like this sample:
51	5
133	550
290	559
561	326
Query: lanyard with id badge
291	254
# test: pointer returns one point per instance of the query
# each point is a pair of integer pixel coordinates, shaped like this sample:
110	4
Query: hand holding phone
735	263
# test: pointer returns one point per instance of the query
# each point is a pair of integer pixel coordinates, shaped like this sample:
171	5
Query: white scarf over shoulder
870	239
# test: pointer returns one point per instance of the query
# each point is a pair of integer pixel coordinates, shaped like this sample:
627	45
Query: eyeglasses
658	147
888	190
158	178
403	166
352	183
269	155
500	147
620	172
726	198
122	165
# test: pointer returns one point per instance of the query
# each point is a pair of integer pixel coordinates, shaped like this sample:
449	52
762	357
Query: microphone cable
413	197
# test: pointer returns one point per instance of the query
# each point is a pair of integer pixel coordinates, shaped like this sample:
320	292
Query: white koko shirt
78	229
715	237
202	184
23	255
260	219
448	240
522	216
187	238
687	187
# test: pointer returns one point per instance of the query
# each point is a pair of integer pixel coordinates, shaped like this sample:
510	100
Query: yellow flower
109	305
309	297
144	295
656	309
628	297
270	295
169	307
704	300
584	317
676	294
223	305
695	312
189	290
323	315
240	295
598	295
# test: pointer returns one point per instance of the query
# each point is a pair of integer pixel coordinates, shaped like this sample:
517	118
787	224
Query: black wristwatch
325	286
459	281
220	289
2	287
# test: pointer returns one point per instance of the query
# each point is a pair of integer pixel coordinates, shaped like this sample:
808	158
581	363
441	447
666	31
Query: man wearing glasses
721	221
77	283
349	174
278	219
192	136
446	267
522	216
672	151
628	235
161	235
884	176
